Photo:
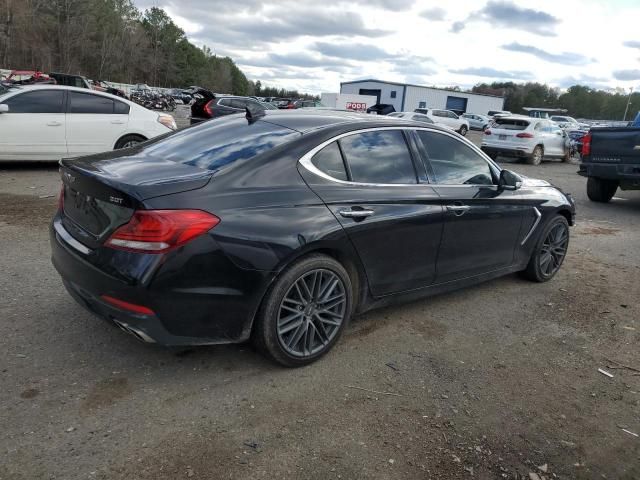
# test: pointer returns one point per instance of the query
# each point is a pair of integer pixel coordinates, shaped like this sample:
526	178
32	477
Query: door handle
356	213
54	124
458	209
117	122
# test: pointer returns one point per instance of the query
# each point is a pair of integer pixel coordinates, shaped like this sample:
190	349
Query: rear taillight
290	106
158	231
208	108
131	307
586	145
525	135
487	132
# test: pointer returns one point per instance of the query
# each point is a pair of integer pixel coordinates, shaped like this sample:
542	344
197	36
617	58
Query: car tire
463	130
601	190
536	156
549	252
129	141
291	310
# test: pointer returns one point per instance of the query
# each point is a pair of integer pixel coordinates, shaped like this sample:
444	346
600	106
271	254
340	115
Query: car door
94	122
556	140
34	127
369	182
482	221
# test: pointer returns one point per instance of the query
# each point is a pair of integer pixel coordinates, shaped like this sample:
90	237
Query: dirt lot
495	381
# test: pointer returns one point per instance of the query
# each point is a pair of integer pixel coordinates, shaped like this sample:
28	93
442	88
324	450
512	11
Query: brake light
290	106
525	135
158	231
586	145
487	132
131	307
208	109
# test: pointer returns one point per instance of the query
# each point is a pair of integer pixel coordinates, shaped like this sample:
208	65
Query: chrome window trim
533	227
306	162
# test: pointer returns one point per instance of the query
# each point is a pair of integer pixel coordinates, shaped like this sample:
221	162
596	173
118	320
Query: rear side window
453	162
218	145
120	108
511	123
378	157
88	103
329	160
41	101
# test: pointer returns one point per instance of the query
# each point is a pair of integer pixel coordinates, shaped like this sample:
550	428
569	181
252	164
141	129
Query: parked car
70	80
446	117
208	107
610	160
498	113
52	122
27	77
381	109
285	103
103	86
477	122
268	106
568	123
305	104
525	137
180	96
416	117
216	234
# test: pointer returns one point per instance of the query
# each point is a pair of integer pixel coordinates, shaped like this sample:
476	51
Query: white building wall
433	97
385	91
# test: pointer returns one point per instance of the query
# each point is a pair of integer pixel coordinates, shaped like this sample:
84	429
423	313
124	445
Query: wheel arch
351	264
566	213
130	134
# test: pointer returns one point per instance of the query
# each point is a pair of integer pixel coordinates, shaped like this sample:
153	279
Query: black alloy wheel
550	251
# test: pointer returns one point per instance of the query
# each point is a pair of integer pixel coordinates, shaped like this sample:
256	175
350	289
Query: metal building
406	97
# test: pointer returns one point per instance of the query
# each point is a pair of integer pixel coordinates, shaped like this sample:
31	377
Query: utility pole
624	119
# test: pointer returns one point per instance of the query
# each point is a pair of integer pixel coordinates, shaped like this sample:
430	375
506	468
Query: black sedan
279	226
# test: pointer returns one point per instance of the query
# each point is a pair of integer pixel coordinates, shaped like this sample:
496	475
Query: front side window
41	101
453	162
380	156
88	103
329	160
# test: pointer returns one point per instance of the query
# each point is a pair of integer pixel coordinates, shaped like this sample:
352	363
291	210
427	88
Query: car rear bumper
188	307
628	175
519	152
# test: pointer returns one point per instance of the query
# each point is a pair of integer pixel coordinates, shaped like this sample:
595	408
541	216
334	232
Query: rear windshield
511	123
217	144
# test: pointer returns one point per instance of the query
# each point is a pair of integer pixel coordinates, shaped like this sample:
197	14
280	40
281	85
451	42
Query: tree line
113	40
580	101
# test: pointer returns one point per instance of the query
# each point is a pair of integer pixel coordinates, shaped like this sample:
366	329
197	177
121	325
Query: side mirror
509	180
4	108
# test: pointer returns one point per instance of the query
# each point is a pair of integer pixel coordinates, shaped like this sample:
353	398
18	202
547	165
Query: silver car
477	122
416	117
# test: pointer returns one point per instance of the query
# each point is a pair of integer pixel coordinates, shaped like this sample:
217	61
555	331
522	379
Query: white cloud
302	44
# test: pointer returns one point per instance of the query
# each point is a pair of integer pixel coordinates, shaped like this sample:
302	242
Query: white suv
446	118
525	137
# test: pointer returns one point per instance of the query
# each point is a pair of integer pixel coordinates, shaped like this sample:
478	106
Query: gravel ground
495	381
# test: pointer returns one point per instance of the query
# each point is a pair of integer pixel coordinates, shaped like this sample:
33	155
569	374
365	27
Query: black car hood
140	175
534	182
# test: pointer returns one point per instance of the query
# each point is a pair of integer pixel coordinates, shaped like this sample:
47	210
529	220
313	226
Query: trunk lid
101	192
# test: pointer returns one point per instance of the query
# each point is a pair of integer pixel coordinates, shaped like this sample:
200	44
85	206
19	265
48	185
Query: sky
312	46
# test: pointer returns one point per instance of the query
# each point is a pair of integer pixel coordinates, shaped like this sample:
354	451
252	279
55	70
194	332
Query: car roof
307	120
28	88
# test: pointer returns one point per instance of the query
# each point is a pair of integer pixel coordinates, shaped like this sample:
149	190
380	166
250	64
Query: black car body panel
274	210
